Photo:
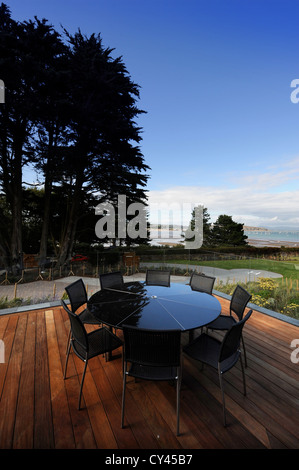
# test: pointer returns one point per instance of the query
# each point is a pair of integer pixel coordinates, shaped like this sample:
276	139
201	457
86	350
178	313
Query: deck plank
38	408
23	429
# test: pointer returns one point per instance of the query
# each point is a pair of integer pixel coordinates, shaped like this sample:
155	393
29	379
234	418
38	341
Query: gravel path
53	290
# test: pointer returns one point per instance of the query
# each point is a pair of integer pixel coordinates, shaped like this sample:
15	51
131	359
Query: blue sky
215	77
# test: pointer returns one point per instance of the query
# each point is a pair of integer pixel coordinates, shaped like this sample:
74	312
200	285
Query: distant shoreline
251	242
271	243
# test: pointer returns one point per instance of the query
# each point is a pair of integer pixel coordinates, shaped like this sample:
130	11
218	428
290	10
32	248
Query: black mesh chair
202	283
155	277
78	296
88	345
239	300
153	355
113	280
221	355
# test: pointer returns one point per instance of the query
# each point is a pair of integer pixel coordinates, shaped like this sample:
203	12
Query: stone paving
39	291
45	294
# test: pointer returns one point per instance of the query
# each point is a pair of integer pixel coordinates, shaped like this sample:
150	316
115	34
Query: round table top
154	307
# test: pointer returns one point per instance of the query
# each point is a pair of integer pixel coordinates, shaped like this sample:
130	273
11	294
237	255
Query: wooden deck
38	409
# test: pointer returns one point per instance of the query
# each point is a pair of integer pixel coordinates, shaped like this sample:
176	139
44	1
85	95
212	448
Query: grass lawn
280	295
288	269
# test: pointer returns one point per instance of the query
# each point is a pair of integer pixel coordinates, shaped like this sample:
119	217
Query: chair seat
153	373
223	322
99	342
206	349
88	318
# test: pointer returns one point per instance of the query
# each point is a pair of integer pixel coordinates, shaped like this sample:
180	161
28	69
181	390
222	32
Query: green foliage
224	232
227	232
70	113
5	303
286	269
270	294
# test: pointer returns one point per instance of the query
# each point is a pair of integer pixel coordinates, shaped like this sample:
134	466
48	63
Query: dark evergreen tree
227	232
69	112
207	233
101	155
26	51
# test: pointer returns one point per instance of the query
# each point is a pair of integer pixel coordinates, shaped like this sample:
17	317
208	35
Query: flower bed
269	293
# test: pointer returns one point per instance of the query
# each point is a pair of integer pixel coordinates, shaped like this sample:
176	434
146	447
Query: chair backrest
231	341
114	279
152	347
202	283
79	334
77	294
239	300
156	277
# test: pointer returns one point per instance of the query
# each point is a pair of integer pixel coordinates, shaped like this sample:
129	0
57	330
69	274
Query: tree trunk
4	257
16	236
48	190
66	245
16	209
45	227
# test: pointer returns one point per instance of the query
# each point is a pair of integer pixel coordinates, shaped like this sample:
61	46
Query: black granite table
154	307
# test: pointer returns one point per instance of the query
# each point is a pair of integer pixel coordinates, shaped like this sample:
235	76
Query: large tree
51	138
69	112
227	232
26	53
206	227
102	156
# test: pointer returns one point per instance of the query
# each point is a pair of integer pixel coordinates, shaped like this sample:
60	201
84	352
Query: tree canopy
227	232
70	115
223	232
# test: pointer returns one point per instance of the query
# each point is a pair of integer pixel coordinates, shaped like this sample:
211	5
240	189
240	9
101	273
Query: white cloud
272	177
257	200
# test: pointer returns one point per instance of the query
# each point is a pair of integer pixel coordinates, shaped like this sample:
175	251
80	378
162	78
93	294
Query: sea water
267	235
175	236
277	236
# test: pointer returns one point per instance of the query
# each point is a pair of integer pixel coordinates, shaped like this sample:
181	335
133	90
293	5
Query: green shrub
5	303
268	293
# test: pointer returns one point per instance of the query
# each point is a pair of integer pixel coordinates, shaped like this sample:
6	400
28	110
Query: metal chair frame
110	280
88	345
238	303
202	283
157	277
221	355
78	289
153	355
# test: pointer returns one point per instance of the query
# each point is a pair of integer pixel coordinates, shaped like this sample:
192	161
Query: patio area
38	409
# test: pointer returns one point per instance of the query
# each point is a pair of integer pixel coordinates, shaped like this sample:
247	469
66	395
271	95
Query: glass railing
271	276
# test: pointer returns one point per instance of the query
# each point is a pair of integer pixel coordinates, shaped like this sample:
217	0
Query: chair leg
243	374
81	386
223	399
178	385
68	341
245	358
123	396
67	358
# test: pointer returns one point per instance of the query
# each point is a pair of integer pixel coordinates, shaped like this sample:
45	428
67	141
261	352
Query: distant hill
166	227
248	228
